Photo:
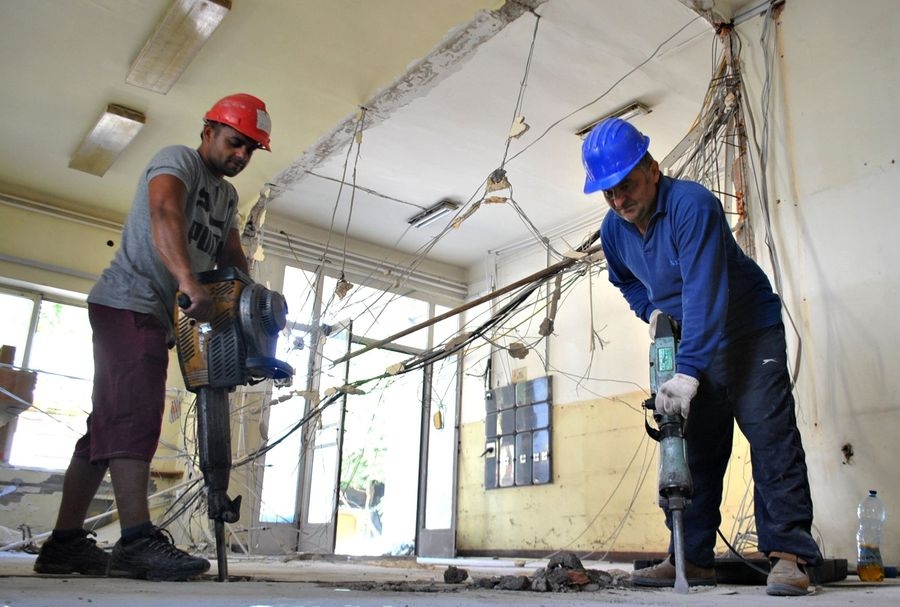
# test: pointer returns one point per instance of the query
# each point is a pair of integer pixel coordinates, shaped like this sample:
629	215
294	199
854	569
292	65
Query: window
17	310
59	349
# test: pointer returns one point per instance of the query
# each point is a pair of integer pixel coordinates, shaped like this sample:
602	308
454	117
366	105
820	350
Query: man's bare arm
168	226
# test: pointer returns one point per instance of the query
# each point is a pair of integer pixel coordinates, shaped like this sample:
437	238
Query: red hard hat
245	114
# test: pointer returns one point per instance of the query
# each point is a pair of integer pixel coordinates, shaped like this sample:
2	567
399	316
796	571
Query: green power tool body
675	487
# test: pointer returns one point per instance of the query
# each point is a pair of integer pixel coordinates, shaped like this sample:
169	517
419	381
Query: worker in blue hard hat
669	249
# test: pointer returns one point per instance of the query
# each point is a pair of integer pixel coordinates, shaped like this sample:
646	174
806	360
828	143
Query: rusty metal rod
548	271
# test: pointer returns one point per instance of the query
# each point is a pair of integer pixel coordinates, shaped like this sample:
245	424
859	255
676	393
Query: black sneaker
154	557
81	555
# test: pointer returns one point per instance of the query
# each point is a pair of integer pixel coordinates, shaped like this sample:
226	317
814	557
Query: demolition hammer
675	487
235	347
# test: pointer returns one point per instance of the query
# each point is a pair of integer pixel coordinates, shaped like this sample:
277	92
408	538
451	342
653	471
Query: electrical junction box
517	434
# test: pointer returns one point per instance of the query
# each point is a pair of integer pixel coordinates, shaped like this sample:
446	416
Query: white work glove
674	397
653	318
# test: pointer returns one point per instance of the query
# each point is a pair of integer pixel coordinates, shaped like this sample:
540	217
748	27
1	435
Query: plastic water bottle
869	566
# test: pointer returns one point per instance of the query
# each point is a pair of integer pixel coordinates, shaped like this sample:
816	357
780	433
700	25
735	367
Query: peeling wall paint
604	493
834	158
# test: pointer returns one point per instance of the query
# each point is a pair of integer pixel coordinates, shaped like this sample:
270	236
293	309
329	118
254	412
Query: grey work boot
80	555
788	576
663	575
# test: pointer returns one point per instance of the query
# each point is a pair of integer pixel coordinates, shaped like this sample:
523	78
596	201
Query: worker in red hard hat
669	250
183	221
238	125
244	113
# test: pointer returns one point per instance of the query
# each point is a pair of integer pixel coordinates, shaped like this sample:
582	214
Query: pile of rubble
563	573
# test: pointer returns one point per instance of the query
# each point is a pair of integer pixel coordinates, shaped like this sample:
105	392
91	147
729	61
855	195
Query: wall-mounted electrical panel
517	434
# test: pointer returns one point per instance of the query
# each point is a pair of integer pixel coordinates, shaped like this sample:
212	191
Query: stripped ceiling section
513	102
379	113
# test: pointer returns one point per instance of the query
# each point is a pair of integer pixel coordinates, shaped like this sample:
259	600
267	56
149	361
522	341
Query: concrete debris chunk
514	582
455	575
566	560
564	573
485	582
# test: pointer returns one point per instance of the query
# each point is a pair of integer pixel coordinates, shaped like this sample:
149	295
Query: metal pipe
548	271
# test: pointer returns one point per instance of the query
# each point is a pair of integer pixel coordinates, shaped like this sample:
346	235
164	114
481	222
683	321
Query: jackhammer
675	487
236	347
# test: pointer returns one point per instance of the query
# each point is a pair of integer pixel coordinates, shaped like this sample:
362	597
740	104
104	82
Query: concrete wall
603	497
47	250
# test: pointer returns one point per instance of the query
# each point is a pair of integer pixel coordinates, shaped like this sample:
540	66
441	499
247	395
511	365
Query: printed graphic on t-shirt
206	231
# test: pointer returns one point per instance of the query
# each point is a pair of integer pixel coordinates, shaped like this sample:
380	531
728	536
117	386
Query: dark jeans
748	382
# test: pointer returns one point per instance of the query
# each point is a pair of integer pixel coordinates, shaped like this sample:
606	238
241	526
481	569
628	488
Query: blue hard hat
610	151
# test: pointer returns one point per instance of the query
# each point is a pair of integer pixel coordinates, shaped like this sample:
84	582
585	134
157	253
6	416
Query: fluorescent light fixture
178	37
628	112
113	132
432	214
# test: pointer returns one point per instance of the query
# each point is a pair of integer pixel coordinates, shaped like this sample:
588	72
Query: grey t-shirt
137	279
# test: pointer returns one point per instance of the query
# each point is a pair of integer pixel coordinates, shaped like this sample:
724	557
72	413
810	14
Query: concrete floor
276	582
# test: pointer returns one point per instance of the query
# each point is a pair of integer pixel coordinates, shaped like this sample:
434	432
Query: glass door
440	435
354	481
287	438
321	455
379	463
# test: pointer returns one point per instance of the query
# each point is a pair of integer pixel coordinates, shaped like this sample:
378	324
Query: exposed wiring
762	148
357	138
607	91
520	100
343	181
510	320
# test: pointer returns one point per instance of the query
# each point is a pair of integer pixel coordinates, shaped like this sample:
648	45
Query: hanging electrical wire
767	42
702	157
497	187
514	304
517	125
606	92
343	286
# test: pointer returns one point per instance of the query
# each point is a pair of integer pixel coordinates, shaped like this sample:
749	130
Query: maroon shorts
130	364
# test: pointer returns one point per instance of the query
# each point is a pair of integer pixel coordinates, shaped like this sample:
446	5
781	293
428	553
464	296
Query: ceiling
440	81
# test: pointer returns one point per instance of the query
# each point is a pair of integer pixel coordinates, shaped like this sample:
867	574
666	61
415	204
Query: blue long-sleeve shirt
689	266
